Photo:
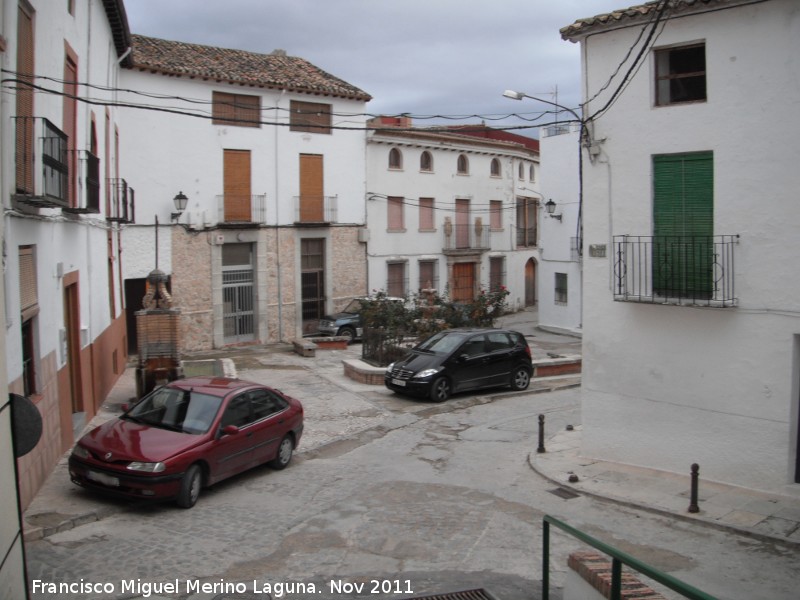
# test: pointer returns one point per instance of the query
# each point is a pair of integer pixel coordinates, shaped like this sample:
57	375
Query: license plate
102	478
399	382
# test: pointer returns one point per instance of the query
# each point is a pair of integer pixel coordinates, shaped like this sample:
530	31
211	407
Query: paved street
418	497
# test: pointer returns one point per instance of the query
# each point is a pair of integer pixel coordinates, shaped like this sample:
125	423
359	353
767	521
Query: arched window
395	159
533	174
522	170
495	168
463	164
426	161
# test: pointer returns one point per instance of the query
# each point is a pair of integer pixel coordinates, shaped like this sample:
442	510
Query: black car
457	360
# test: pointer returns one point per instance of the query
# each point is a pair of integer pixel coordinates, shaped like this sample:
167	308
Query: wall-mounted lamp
550	207
180	205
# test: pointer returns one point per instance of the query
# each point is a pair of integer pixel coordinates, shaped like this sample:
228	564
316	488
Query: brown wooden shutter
426	221
70	125
395	213
236	183
25	132
28	289
312	191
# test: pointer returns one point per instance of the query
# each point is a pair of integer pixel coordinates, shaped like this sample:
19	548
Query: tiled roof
446	137
274	70
638	13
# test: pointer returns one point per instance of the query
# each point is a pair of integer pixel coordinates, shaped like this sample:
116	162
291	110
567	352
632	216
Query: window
238	412
497	273
532	175
680	74
396	279
521	170
236	109
266	403
495	168
683	225
561	288
395	213
462	164
428	280
496	214
426	162
426	222
526	221
310	117
395	159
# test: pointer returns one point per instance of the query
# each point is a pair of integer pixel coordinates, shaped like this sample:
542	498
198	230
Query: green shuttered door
683	225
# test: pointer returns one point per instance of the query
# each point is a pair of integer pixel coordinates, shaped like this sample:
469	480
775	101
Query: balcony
692	271
42	163
121	203
241	209
88	183
311	209
462	238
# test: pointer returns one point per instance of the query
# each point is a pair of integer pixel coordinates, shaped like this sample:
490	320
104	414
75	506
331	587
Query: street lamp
550	207
520	95
180	201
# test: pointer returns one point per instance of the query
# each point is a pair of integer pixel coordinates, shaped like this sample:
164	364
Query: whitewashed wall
668	386
559	148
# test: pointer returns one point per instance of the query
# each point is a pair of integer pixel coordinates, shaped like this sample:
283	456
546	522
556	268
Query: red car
186	435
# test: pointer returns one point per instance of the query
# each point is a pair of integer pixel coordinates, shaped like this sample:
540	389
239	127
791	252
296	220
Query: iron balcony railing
461	236
241	208
310	208
42	163
87	183
121	202
618	558
690	270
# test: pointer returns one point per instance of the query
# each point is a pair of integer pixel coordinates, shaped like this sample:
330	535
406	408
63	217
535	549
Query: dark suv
457	360
348	323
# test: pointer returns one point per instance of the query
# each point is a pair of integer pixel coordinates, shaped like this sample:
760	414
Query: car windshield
441	343
177	410
354	307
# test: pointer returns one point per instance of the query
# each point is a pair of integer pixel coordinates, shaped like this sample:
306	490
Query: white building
269	152
560	276
691	322
64	317
455	211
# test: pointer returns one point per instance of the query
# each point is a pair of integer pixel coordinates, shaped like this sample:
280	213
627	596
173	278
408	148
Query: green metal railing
618	558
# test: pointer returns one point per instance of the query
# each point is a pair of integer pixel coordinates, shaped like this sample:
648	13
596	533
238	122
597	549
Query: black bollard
693	507
541	449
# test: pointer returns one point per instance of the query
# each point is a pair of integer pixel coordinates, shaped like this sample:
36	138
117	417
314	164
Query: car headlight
426	373
147	467
390	367
80	452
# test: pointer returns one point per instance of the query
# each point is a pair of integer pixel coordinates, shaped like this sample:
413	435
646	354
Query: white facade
188	153
477	192
560	276
666	382
63	301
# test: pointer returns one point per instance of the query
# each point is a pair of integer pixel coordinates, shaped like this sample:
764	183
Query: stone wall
191	288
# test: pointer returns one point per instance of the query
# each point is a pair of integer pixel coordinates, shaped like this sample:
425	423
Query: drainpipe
278	225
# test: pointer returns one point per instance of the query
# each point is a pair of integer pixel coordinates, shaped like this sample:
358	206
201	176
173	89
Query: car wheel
285	450
440	390
191	484
520	378
349	333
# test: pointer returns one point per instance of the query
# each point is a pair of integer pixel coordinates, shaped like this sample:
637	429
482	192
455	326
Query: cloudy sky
421	57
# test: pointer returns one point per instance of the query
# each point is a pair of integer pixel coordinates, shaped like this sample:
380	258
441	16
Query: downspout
278	226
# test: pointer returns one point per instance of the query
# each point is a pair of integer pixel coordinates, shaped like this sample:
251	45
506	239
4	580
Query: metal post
545	560
616	579
541	449
693	507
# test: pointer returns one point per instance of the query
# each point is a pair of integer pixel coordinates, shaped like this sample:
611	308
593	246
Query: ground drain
564	493
479	594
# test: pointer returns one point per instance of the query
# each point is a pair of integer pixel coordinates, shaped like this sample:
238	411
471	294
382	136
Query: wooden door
236	185
463	283
312	191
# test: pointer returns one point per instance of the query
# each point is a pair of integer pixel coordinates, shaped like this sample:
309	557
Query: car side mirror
230	430
125	407
463	357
